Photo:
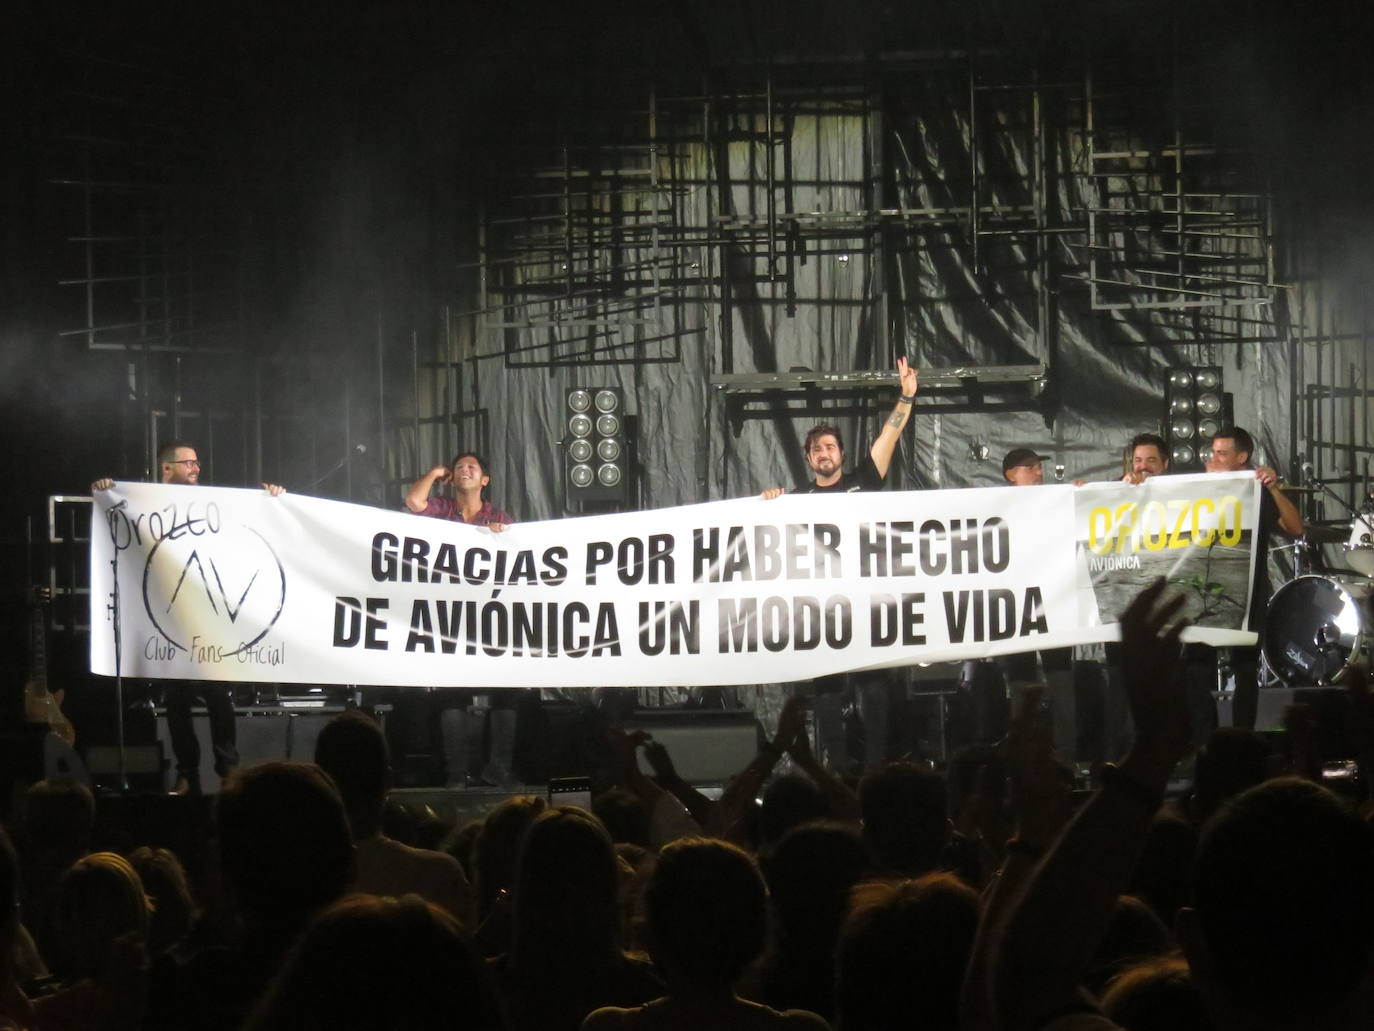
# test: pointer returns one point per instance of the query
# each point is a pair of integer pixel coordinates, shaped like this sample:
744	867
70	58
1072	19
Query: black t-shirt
865	477
1261	587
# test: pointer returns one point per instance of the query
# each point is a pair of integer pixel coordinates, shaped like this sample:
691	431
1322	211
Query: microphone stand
356	449
114	609
1320	484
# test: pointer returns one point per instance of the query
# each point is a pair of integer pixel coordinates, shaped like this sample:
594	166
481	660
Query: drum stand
1360	518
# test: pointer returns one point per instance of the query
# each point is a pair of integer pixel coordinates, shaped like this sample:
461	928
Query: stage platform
708	747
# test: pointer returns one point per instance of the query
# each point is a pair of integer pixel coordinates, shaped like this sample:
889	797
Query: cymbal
1328	534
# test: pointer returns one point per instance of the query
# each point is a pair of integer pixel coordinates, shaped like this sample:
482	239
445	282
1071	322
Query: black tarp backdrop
343	156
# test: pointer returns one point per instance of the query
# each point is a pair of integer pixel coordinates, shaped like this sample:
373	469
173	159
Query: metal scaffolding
154	283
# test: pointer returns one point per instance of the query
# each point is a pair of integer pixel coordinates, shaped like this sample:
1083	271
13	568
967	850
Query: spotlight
1195	409
595	453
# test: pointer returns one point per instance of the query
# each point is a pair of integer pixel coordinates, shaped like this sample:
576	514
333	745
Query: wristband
1115	779
906	399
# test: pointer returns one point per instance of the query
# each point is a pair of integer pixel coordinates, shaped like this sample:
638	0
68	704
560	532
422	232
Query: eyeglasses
184	461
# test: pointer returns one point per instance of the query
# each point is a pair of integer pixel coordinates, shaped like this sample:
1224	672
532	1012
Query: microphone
1307	470
356	449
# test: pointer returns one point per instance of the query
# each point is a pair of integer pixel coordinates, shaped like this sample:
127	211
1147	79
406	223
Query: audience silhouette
1246	902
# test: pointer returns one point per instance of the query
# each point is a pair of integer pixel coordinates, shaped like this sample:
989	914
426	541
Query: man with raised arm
1232	451
460	721
469	479
824	452
179	463
824	448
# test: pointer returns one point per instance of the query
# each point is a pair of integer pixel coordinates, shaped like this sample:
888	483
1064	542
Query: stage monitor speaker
1330	707
143	765
140	759
262	733
706	747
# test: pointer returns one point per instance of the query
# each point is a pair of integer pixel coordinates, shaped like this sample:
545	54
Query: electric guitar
40	704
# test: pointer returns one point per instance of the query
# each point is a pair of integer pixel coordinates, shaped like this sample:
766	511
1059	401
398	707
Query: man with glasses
179	463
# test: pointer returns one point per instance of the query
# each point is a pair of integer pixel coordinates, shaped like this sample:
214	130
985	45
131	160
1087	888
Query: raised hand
1152	663
659	760
624	743
1041	796
791	733
910	378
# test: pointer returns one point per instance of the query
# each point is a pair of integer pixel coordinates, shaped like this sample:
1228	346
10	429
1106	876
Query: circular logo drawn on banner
219	591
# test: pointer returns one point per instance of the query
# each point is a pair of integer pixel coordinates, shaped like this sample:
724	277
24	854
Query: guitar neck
38	650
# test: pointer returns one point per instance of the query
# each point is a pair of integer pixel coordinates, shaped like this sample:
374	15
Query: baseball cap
1021	456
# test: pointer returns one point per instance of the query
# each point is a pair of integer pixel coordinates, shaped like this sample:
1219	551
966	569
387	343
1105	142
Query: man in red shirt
460	722
469	478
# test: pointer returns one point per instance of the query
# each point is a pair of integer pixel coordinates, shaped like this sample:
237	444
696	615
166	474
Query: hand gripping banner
219	584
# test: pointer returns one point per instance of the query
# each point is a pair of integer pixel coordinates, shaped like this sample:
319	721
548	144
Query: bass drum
1317	626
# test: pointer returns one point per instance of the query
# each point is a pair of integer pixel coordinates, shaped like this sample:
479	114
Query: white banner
217	584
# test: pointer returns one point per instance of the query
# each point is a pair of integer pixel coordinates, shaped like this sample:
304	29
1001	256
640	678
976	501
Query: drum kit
1321	621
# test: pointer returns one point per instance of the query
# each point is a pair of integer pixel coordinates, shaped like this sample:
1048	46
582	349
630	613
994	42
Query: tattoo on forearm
895	420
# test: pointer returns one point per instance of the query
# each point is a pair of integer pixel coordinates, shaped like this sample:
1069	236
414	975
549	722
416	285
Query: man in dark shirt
1232	449
1023	467
824	451
179	463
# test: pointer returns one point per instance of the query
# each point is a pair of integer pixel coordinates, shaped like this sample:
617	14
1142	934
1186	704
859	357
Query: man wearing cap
1023	467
